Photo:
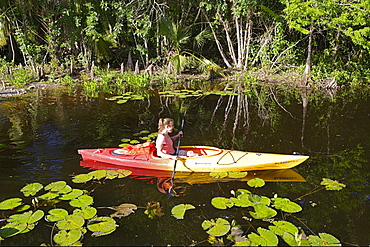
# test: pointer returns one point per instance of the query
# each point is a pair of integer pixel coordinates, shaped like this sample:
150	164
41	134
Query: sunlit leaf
256	182
286	205
218	174
49	196
122	101
324	239
56	186
262	211
71	222
237	174
123	173
86	212
125	140
216	228
28	217
332	184
144	132
10	203
31	189
12	229
98	174
82	178
290	239
281	227
259	199
22	208
133	142
73	194
242	200
265	237
65	190
56	214
102	226
82	201
67	238
178	211
221	202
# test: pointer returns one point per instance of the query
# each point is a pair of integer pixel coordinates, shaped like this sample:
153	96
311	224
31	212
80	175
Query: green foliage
178	211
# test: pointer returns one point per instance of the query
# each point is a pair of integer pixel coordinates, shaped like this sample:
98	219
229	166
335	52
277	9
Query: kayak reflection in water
164	142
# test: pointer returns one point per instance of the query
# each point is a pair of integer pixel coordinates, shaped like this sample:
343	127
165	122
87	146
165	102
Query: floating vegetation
178	211
228	174
143	136
70	224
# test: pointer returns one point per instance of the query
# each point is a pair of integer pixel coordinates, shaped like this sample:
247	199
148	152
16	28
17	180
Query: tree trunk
307	71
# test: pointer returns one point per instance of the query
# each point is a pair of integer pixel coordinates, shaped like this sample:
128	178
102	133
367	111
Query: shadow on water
40	135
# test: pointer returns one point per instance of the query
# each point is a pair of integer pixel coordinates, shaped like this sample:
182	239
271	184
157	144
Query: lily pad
259	199
242	200
56	214
256	182
237	174
82	201
65	190
12	229
265	237
216	228
178	211
286	205
56	186
28	217
71	195
71	222
221	202
82	178
10	203
49	196
281	227
332	184
31	189
262	212
98	174
102	226
86	212
67	238
324	239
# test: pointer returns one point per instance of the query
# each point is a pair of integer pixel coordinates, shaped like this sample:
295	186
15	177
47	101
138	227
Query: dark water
40	135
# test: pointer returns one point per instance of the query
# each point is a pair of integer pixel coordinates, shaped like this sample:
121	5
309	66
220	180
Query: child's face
169	128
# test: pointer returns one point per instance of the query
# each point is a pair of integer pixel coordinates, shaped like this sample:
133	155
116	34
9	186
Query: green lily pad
98	174
49	196
237	174
218	174
71	222
86	212
65	190
262	212
122	101
281	227
71	195
332	184
82	201
56	214
256	182
265	238
67	238
31	189
22	208
216	228
82	178
12	229
221	202
133	142
125	140
123	173
324	239
178	211
28	217
259	199
286	205
242	200
10	203
102	226
56	186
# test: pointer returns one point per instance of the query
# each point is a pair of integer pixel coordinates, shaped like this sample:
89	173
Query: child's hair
163	122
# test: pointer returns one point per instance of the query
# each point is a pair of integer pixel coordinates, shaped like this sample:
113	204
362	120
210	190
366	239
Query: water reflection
181	178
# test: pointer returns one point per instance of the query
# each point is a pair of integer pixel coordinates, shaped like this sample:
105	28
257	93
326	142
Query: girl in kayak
164	142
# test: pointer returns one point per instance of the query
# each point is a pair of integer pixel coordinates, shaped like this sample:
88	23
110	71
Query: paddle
170	190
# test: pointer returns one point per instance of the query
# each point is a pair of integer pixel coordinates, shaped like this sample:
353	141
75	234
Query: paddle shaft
177	152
